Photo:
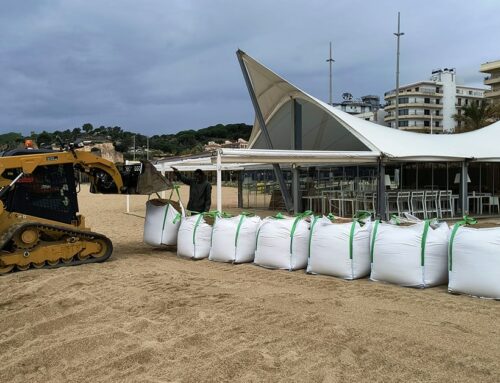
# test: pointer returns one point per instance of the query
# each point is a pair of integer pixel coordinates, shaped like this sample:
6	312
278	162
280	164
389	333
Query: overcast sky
160	66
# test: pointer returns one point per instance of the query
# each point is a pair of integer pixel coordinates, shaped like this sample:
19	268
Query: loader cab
48	193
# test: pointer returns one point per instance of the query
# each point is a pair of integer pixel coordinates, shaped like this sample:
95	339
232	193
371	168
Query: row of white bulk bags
282	243
339	249
474	261
233	239
194	238
162	221
414	256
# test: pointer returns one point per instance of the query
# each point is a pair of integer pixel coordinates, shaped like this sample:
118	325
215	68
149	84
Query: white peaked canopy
325	128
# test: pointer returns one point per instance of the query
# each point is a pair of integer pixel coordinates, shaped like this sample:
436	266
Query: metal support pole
163	195
297	125
330	61
381	202
260	118
464	200
296	189
297	145
128	203
240	189
219	182
398	35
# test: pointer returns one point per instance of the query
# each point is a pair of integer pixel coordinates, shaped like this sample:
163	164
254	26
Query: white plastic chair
418	203
403	202
392	203
445	203
431	203
493	201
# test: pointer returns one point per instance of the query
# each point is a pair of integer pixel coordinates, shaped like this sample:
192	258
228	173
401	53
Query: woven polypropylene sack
339	249
161	224
474	262
409	255
194	238
282	243
233	239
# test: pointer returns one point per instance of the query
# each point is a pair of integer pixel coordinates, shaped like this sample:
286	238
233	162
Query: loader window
48	193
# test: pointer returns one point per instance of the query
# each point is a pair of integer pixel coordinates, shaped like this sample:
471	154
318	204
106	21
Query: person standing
200	190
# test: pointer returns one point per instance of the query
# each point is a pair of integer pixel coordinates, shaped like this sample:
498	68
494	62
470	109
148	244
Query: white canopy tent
304	130
329	129
289	118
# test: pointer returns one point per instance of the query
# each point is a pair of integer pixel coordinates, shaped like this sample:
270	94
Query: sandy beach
149	316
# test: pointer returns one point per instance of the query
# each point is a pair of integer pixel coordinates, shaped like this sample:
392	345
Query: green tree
87	128
476	116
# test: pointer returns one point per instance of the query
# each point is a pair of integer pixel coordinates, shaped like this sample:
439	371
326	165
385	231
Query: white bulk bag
162	221
193	240
414	256
474	261
339	249
233	239
282	243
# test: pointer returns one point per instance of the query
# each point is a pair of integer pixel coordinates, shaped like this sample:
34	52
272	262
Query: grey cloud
160	66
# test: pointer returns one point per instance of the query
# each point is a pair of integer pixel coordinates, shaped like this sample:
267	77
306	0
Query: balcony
493	79
422	105
421	92
494	93
415	116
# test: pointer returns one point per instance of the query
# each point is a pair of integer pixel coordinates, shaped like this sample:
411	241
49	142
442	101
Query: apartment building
429	106
493	80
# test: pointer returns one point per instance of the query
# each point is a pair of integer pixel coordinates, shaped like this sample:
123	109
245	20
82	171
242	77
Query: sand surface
148	316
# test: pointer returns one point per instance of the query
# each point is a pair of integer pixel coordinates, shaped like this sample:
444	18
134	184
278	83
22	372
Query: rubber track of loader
85	235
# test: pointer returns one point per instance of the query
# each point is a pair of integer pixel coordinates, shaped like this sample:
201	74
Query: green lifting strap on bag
362	216
315	219
243	215
200	216
298	217
395	218
423	242
177	218
351	239
466	220
247	214
278	216
331	217
372	247
238	229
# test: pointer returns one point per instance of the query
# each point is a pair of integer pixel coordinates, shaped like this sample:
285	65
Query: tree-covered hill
184	142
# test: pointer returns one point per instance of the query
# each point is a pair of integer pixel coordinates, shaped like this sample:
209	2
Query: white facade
493	79
429	106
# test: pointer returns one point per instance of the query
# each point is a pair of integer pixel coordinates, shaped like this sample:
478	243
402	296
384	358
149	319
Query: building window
403	112
437	112
438	89
403	123
427	123
437	101
427	100
416	89
403	100
466	101
427	112
436	124
459	101
470	92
